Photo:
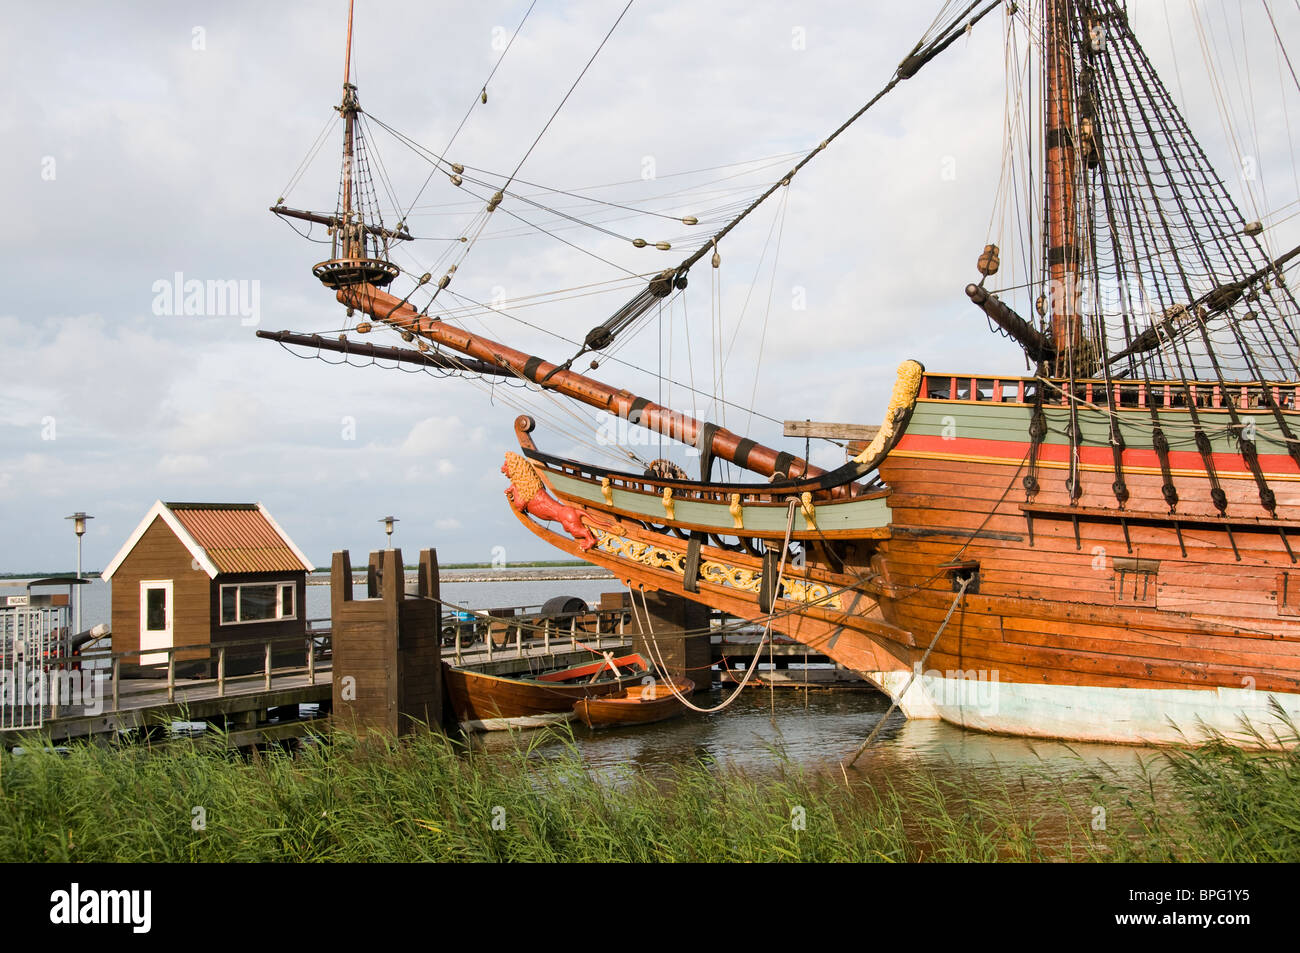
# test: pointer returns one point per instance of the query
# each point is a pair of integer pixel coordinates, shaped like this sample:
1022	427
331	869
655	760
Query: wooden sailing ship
1103	548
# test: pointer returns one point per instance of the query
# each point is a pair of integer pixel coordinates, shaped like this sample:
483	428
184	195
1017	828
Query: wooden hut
204	575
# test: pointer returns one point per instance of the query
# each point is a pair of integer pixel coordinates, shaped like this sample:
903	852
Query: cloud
182	464
166	156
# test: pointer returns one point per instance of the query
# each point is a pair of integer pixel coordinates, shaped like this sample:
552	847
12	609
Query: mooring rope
657	657
897	698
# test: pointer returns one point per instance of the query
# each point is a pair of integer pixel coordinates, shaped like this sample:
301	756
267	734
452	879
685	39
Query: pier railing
487	634
57	672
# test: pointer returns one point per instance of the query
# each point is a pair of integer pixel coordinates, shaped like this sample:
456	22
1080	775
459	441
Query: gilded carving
712	571
906	388
809	511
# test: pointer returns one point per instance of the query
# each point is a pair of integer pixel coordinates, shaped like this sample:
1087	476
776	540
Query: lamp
79	527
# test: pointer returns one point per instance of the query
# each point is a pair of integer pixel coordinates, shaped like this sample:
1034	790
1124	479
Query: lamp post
388	522
79	526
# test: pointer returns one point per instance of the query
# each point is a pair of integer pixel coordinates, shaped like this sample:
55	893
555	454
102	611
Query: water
821	729
817	731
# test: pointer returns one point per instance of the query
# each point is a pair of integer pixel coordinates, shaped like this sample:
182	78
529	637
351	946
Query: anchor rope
657	656
961	592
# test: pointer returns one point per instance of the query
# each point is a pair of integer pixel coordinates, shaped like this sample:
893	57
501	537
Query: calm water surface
820	729
816	730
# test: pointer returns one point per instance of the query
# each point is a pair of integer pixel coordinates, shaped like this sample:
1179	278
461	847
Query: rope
475	102
916	670
752	667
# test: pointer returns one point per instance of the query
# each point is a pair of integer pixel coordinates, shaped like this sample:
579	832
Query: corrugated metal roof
237	537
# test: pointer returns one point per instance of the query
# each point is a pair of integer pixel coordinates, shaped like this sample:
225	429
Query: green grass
428	798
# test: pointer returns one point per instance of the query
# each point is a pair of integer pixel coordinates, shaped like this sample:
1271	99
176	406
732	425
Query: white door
155	620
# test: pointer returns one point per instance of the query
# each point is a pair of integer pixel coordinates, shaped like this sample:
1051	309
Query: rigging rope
916	670
752	667
477	97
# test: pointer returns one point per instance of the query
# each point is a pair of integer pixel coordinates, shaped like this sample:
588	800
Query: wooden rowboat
637	705
483	702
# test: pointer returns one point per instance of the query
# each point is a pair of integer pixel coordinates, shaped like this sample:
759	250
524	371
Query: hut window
155	610
257	602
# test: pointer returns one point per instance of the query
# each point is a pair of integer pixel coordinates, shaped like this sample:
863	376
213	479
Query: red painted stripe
1015	450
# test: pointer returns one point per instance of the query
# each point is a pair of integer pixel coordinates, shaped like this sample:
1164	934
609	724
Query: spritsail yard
1108	538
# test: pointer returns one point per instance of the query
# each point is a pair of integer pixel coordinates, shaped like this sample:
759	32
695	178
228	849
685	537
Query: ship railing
1171	394
833	484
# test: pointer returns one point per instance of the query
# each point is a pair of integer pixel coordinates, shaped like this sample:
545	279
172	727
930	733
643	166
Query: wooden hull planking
639	705
1089	621
492	702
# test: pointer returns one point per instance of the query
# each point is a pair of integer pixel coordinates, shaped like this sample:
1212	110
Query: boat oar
609	660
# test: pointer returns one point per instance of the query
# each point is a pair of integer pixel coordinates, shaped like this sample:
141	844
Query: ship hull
1133	716
1085	617
1088	620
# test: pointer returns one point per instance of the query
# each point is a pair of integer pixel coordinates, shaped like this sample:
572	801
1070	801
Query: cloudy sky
146	140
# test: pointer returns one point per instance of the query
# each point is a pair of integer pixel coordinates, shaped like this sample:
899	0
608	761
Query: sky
145	142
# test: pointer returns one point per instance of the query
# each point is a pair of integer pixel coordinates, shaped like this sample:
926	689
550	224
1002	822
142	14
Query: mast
348	109
352	237
1060	207
713	441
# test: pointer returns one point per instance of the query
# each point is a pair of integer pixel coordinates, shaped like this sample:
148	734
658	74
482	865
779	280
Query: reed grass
428	798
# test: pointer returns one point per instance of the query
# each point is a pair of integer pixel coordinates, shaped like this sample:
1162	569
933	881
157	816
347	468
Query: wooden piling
688	657
387	666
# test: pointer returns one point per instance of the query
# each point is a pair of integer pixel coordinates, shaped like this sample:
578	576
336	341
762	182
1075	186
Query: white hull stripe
1139	716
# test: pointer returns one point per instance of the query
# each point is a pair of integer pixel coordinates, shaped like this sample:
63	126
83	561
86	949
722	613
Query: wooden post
171	675
311	661
221	672
373	571
387	666
670	617
420	692
340	581
117	675
266	680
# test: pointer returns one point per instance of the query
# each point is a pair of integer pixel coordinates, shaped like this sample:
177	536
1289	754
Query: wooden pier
95	700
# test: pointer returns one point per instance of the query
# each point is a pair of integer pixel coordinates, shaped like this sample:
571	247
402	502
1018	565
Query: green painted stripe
992	421
850	514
